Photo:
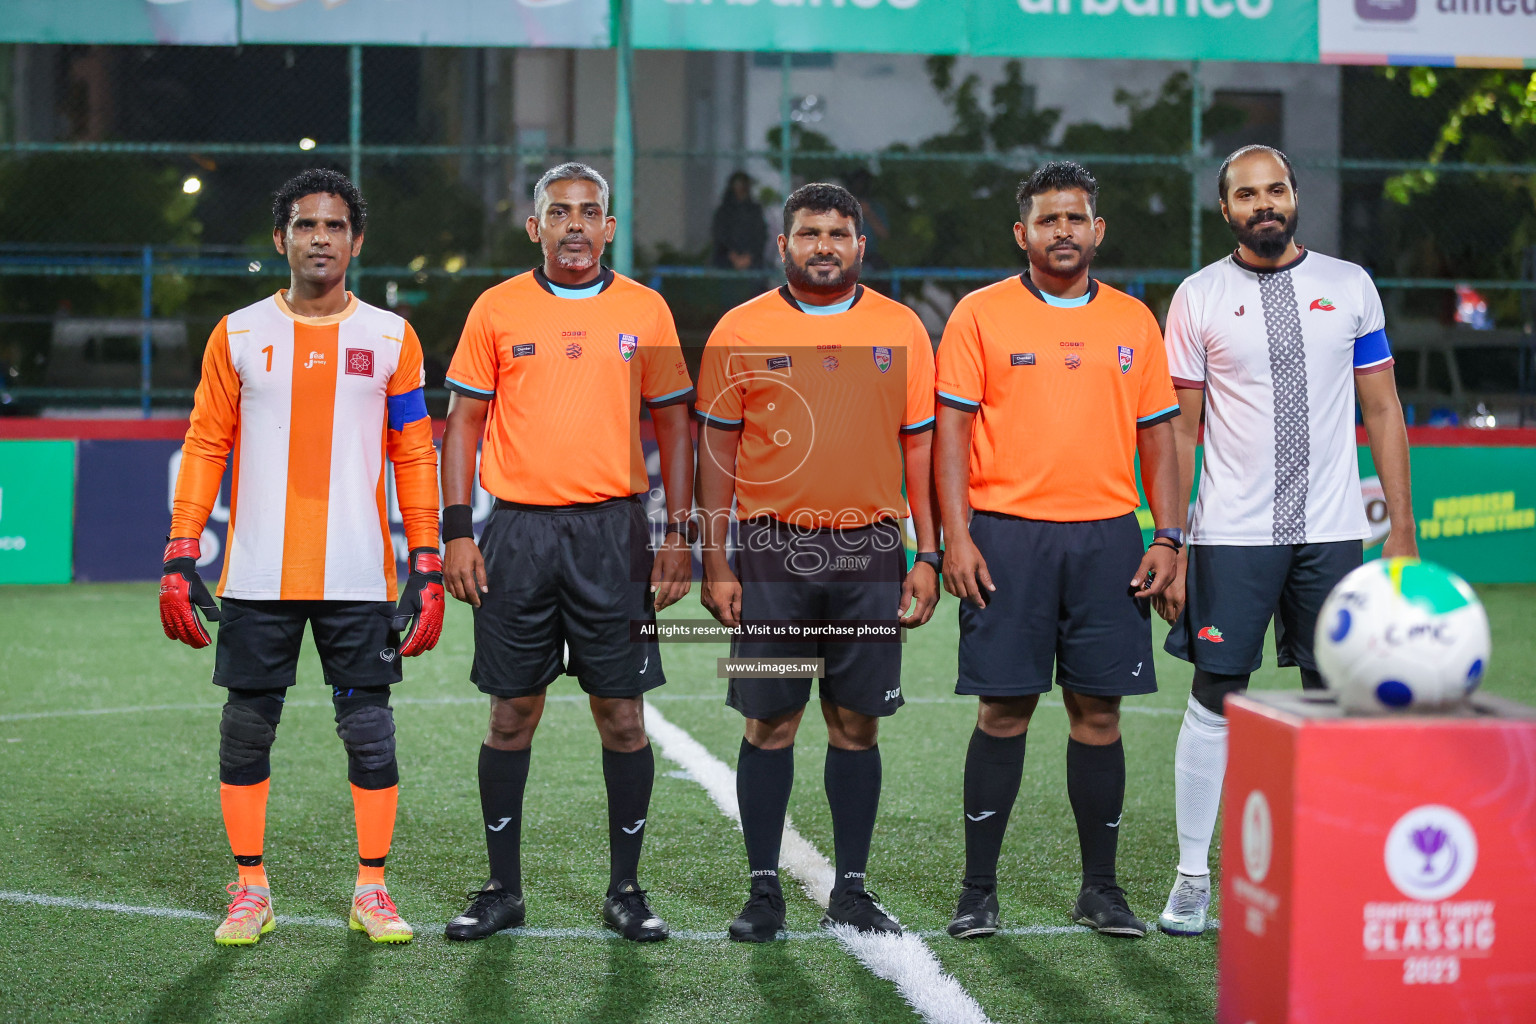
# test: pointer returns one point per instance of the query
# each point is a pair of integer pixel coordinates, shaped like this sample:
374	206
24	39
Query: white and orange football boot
248	918
374	912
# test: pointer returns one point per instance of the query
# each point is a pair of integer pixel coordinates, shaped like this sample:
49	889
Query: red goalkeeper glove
180	589
419	615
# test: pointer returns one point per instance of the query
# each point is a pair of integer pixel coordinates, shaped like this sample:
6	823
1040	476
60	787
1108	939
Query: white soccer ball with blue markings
1400	635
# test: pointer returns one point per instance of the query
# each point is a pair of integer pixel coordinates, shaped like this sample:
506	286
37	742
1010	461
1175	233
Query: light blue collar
577	293
1051	300
836	307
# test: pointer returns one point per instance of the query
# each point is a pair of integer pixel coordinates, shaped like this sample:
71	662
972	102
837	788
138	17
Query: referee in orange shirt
552	370
1049	385
814	399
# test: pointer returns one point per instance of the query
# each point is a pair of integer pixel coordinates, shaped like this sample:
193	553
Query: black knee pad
246	733
1211	688
366	726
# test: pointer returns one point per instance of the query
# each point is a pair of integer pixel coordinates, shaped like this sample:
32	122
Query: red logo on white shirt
360	361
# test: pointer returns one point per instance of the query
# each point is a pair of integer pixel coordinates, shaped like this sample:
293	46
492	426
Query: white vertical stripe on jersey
355	539
261	495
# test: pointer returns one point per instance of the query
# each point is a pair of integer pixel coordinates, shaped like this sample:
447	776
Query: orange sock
245	821
375	811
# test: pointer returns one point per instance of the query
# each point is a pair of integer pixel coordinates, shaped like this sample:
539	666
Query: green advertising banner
1267	30
1475	507
37	511
576	23
864	26
201	22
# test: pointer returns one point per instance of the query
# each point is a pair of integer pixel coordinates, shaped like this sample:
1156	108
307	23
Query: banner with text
1267	30
1475	509
1248	30
1438	32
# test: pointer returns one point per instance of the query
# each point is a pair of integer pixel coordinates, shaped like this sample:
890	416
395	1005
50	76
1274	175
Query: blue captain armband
407	408
1372	351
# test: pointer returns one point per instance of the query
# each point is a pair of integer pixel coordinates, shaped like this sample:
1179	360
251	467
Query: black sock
1312	679
1096	787
852	778
503	777
993	767
628	778
763	781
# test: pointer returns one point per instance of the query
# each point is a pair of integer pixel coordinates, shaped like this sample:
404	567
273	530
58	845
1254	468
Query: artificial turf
122	807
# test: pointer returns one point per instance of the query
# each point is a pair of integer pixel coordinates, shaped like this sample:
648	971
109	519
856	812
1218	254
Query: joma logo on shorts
855	563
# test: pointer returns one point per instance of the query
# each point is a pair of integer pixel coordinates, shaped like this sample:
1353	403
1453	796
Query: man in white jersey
1271	343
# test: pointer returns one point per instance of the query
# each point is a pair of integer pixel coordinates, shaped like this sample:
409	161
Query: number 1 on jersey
268	353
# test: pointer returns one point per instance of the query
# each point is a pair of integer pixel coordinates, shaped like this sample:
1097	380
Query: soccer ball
1401	635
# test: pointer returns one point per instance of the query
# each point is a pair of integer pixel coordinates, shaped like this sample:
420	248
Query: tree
1448	219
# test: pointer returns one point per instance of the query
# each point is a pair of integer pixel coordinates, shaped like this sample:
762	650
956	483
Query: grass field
108	793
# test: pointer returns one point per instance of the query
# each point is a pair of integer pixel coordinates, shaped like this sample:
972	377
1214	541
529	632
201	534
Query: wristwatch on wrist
1170	533
689	530
933	558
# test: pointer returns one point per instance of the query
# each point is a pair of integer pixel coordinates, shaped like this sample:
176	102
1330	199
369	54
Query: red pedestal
1378	869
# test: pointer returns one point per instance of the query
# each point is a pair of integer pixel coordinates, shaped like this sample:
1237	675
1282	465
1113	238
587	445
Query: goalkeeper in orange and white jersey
309	391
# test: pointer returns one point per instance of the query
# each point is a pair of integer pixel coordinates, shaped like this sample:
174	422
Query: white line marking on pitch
904	960
304	920
27	716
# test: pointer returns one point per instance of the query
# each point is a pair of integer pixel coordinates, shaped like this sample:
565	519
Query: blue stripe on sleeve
957	398
718	421
919	427
465	387
1371	349
407	408
669	395
1160	412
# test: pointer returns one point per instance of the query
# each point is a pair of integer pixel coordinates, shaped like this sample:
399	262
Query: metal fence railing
134	185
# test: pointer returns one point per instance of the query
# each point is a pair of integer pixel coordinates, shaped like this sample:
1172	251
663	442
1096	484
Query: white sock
1199	764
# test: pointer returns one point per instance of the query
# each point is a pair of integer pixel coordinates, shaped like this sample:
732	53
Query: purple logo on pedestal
1430	853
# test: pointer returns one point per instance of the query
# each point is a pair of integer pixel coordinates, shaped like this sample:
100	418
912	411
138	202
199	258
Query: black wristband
458	522
1170	545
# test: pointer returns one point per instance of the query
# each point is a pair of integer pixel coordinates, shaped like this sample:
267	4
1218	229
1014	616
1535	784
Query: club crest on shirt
1322	304
360	362
882	359
829	363
1125	357
1074	360
573	350
627	345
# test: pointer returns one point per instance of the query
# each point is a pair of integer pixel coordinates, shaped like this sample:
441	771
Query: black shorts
258	645
566	576
1061	600
1232	593
791	573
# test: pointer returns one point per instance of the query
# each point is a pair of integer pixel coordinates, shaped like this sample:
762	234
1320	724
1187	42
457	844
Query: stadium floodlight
307	143
193	185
